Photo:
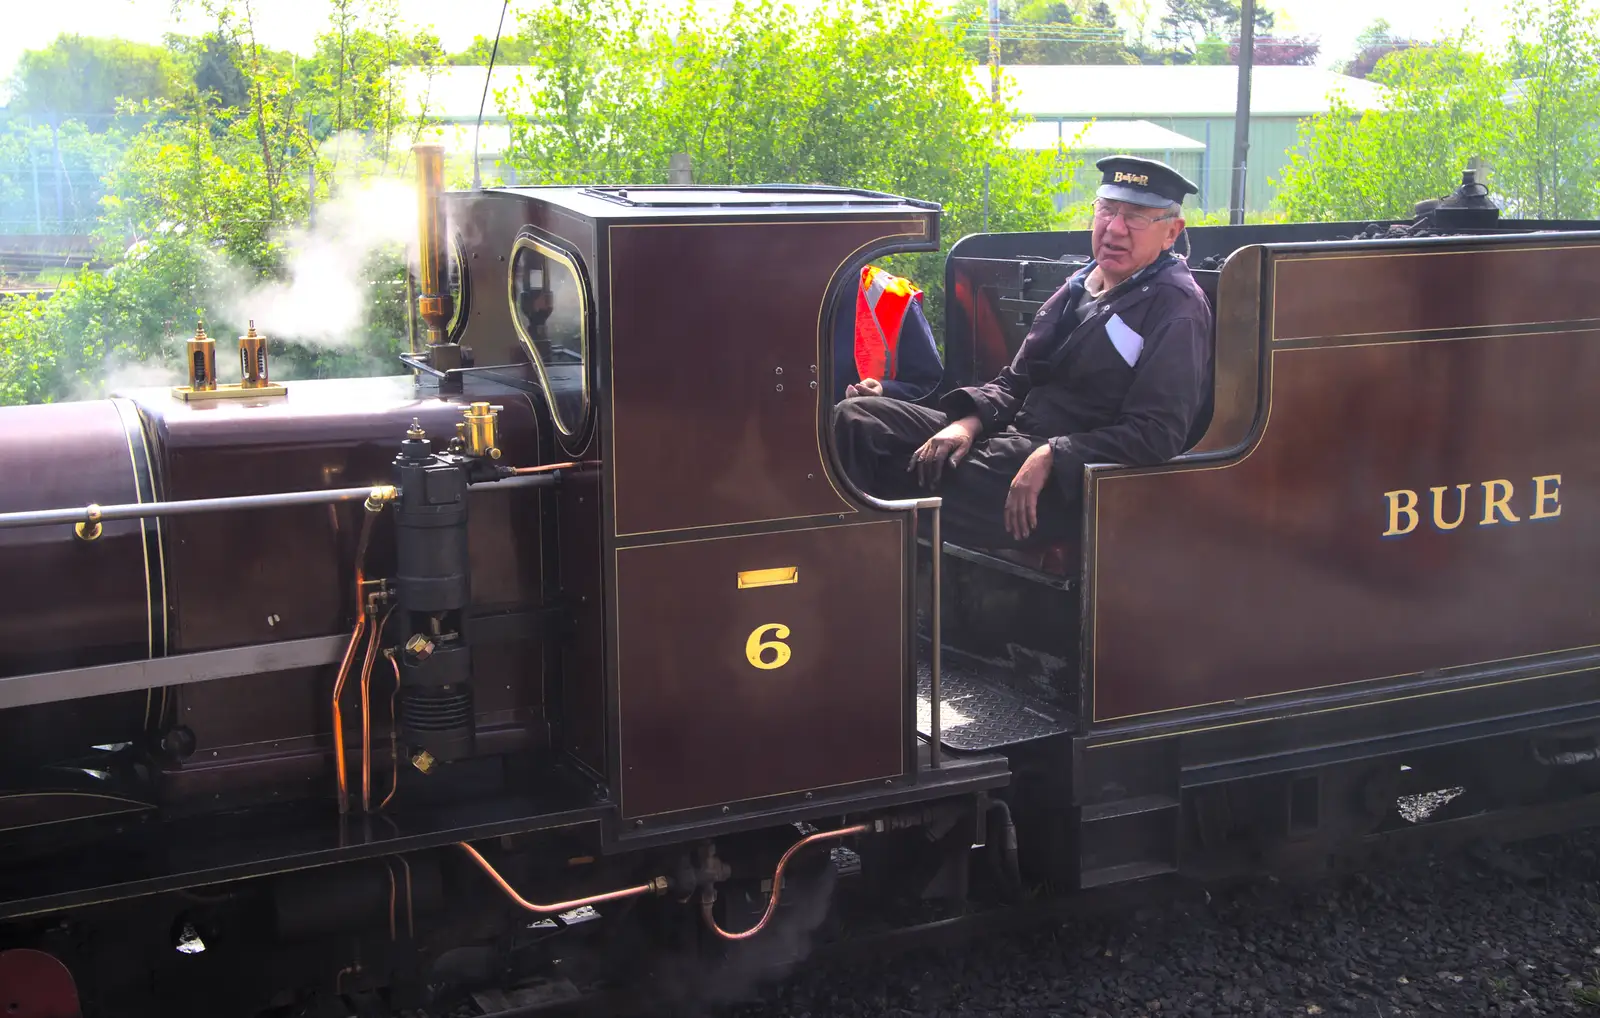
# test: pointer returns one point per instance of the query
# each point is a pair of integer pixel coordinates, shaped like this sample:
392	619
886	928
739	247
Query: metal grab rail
92	514
914	505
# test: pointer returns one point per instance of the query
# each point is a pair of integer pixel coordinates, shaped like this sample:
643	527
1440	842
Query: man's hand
954	442
1022	502
867	387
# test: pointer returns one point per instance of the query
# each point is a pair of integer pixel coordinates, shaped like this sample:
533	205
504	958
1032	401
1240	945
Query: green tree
1443	110
1548	166
514	50
1043	32
1375	42
201	205
1191	30
877	97
1528	114
55	178
81	78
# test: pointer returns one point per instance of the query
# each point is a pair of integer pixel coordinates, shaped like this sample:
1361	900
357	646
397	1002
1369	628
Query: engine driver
1115	369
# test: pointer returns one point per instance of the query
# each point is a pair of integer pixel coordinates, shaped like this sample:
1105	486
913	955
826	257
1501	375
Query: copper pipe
388	868
656	886
777	883
411	924
394	732
338	715
353	969
373	637
548	467
349	658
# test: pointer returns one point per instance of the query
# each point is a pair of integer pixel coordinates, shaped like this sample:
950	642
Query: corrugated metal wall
1271	141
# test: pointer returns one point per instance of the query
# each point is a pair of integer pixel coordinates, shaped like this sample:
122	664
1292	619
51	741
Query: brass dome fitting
482	421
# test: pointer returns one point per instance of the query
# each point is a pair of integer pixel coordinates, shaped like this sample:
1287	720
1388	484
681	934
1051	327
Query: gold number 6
755	646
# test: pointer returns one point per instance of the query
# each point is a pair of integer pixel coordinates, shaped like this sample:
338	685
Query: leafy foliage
876	98
1372	45
1548	165
1443	112
56	182
82	78
197	208
1188	24
1528	116
1279	51
1043	32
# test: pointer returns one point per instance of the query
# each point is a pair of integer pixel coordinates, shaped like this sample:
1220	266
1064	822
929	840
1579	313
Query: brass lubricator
481	436
253	372
202	361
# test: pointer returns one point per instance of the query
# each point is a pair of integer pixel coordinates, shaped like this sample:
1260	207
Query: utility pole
1241	117
994	90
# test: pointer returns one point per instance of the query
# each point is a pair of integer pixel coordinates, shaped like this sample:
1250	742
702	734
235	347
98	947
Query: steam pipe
709	898
92	514
657	886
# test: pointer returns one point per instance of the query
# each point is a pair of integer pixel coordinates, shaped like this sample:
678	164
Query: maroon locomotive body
307	685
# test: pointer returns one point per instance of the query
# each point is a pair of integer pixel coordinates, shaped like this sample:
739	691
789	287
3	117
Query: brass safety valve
482	424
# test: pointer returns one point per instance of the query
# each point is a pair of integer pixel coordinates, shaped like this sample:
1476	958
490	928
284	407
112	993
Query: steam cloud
324	297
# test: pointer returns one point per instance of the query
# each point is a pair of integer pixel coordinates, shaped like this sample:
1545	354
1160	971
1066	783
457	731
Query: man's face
1128	237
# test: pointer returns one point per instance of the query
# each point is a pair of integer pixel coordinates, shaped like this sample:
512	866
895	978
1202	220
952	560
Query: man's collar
1080	279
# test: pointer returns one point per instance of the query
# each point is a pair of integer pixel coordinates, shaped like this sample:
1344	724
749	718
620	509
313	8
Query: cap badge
1142	179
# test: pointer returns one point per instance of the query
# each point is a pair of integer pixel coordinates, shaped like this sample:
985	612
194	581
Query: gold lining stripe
144	545
774	577
1377	254
1471	688
161	545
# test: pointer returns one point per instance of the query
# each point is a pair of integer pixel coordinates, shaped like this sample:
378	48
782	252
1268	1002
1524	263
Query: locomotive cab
1347	578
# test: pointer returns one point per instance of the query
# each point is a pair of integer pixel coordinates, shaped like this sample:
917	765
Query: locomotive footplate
977	714
204	850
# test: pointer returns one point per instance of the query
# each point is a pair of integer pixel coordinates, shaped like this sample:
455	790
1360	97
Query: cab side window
550	308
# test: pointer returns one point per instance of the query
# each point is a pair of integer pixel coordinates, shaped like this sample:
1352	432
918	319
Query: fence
53	169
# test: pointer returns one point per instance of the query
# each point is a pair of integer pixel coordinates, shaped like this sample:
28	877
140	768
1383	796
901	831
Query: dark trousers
876	436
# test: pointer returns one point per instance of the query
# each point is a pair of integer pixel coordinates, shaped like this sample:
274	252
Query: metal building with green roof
1193	102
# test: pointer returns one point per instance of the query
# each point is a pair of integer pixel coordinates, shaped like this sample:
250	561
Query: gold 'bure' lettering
1541	496
1404	514
1438	507
1490	503
1396	510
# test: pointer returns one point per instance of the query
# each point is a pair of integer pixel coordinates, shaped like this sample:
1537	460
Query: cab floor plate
978	714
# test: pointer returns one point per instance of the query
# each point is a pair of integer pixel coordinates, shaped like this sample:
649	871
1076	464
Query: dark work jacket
1074	387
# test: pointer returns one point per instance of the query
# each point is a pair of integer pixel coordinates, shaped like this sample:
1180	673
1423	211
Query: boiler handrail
92	514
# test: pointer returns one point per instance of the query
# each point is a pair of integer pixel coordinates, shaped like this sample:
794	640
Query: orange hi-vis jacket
882	301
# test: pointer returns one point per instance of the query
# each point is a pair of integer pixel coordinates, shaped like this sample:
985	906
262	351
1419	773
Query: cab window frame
552	252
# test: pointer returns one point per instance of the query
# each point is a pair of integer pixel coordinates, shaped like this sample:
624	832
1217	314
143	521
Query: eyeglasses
1134	220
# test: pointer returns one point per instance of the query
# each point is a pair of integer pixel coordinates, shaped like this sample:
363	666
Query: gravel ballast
1488	931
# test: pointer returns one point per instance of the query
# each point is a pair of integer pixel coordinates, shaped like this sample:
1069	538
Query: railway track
1480	835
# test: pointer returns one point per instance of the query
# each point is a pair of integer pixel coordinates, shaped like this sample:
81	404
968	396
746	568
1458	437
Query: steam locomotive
324	691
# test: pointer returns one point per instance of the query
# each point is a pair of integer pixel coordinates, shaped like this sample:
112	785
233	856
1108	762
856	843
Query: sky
293	24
